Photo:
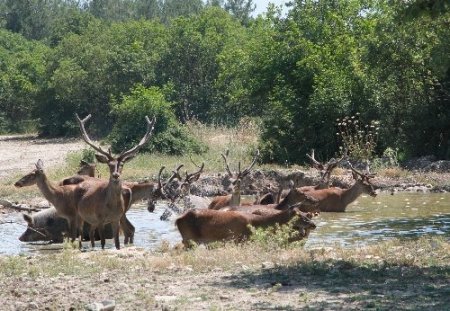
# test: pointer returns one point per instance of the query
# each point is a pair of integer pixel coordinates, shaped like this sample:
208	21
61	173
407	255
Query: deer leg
101	234
79	232
128	230
92	235
115	229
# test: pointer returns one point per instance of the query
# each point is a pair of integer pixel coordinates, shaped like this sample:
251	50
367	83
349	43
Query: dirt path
19	153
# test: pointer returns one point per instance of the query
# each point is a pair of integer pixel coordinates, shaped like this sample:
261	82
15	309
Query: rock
33	306
105	305
5	203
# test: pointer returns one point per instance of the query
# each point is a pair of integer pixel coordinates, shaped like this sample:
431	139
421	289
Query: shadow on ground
349	285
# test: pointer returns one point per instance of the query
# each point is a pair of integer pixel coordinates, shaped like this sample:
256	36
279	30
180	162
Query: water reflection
403	215
367	220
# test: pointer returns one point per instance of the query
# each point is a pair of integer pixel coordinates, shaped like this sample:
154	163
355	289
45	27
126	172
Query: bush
169	135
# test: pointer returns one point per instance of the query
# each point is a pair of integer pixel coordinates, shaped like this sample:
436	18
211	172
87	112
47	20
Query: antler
227	167
175	174
194	176
87	139
328	167
247	170
148	134
362	175
316	164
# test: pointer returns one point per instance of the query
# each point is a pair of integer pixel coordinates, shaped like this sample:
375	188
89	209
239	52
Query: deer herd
102	204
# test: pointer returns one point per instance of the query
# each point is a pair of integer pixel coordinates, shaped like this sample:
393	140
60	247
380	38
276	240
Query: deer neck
351	194
235	198
114	191
266	221
48	189
287	201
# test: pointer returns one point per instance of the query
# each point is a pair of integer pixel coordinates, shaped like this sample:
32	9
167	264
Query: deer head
31	178
115	163
236	178
363	180
87	168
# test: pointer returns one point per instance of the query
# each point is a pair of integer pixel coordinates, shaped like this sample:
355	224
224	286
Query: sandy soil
19	153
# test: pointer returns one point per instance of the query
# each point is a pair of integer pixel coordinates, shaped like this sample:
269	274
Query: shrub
358	140
169	135
278	236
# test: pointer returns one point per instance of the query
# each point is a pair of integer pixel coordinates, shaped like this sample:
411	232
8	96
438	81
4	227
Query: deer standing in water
103	202
236	179
140	190
64	198
335	199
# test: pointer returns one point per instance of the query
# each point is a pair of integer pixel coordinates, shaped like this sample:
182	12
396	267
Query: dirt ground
19	153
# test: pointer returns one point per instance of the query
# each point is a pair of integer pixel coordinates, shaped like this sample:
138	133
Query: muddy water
367	220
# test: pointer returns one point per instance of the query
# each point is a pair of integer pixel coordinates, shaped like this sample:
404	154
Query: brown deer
293	197
103	202
206	226
140	191
64	198
335	199
235	198
86	171
273	196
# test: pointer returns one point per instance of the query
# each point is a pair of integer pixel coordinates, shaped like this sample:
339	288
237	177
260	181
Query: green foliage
21	77
299	72
88	155
277	236
169	136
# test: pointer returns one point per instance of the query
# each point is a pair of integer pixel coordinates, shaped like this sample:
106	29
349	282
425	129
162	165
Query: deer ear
28	219
82	162
40	165
101	158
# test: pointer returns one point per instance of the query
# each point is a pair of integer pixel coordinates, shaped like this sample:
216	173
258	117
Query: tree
241	9
21	79
169	136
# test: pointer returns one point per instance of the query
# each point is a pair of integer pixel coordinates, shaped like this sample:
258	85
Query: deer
103	202
184	190
235	198
63	197
206	225
140	190
86	171
325	169
335	199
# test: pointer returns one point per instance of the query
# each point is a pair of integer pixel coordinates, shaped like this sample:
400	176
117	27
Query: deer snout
115	175
18	184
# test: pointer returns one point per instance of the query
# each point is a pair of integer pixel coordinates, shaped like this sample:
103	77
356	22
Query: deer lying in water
206	225
46	225
102	202
236	179
325	169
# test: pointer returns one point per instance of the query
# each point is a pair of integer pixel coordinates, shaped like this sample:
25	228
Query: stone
105	305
